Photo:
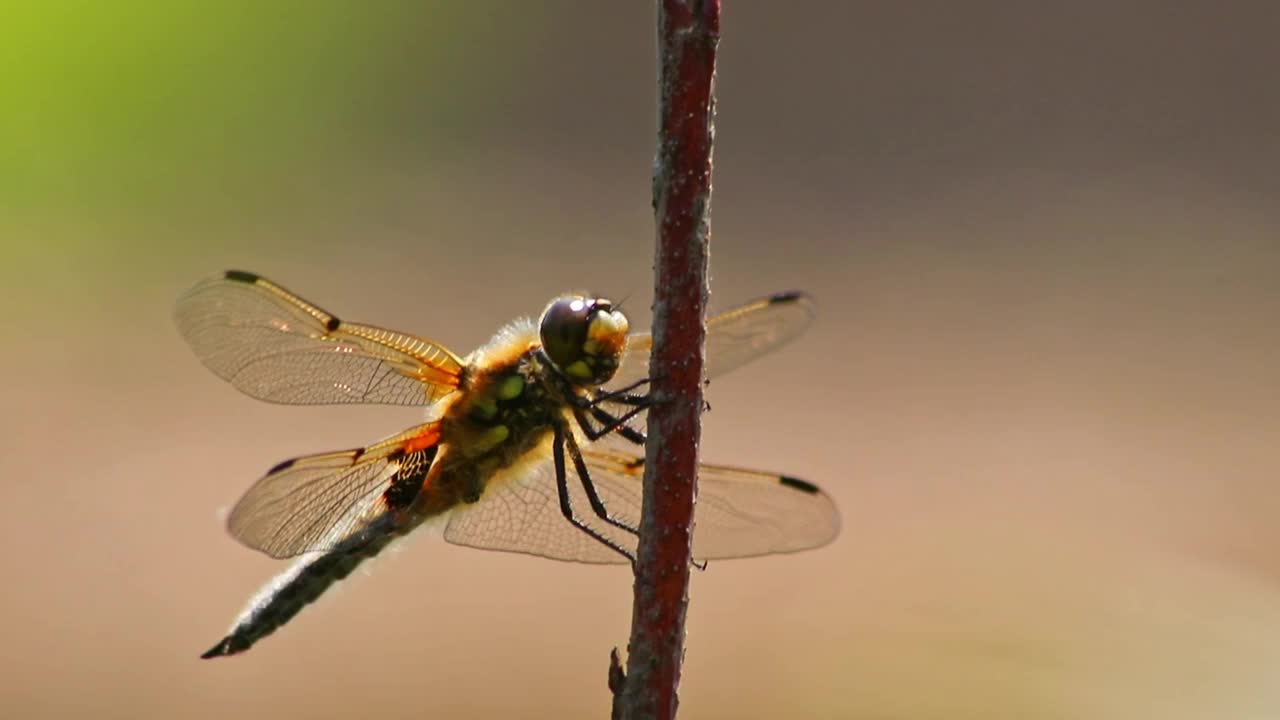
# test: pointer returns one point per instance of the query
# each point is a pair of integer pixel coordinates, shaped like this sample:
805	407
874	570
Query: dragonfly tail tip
222	648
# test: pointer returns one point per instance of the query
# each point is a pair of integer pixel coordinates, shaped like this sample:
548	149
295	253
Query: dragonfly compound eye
584	337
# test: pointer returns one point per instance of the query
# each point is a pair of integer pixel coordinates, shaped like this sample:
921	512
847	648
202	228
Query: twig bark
688	33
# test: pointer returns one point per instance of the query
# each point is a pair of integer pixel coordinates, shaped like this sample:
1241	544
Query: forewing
734	337
739	513
275	346
314	502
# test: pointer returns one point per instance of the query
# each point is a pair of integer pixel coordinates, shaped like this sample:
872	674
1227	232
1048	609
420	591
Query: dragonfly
522	449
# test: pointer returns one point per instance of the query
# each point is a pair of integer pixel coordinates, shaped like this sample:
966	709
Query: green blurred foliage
129	103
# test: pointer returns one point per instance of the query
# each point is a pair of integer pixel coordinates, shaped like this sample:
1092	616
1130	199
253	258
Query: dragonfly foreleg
606	420
624	399
610	423
593	497
566	507
625	391
621	396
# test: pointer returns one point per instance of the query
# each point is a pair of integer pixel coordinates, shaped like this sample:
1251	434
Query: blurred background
1045	241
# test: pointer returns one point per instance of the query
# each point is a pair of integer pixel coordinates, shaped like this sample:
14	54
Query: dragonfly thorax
584	338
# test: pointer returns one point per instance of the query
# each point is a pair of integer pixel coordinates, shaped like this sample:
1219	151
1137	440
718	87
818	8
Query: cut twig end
617	676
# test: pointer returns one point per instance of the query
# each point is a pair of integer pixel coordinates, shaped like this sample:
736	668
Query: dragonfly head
584	337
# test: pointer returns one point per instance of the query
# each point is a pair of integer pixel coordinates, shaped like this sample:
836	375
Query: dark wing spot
241	276
407	483
798	484
401	493
332	324
785	296
280	467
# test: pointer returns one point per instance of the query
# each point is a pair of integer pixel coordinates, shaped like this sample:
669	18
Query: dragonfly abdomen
282	598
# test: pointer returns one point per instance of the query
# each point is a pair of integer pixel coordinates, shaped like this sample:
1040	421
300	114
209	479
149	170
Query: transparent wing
734	337
314	502
520	512
740	513
275	346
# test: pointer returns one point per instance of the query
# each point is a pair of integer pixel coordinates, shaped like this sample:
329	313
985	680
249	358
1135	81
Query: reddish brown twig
688	32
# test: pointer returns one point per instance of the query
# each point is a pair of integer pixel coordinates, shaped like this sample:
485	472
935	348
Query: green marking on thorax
511	388
492	438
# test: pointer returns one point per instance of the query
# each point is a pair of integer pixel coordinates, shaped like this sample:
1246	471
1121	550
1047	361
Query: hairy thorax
508	406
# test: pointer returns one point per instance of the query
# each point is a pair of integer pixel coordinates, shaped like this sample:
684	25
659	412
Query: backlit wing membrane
734	337
520	512
740	513
314	502
275	346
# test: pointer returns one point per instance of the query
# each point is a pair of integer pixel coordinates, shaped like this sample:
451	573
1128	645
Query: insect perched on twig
522	449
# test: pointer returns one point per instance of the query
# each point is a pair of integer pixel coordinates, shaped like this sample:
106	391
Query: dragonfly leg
625	390
621	396
566	508
597	504
607	421
632	399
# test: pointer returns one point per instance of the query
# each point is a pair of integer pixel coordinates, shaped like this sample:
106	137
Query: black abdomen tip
222	648
229	645
801	485
241	276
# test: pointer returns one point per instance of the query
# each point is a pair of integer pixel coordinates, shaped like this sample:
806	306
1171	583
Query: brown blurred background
1045	240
